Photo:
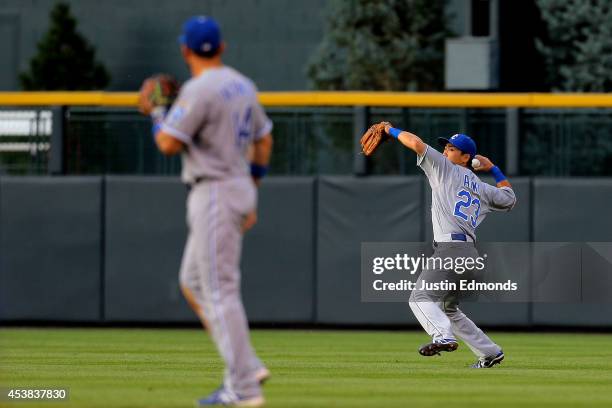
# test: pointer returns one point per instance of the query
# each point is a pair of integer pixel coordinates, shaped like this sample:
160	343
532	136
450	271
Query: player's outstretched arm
410	140
487	165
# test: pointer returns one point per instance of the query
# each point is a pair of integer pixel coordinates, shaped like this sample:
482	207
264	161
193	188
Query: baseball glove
374	137
158	90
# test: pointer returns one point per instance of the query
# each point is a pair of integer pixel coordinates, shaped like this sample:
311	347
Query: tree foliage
64	59
393	45
578	45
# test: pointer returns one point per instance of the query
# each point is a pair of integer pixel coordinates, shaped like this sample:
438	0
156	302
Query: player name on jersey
471	184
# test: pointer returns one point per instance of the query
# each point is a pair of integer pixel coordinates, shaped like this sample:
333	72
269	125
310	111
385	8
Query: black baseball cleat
435	347
488	362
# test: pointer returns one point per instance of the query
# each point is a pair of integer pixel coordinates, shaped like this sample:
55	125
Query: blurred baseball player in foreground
460	201
214	122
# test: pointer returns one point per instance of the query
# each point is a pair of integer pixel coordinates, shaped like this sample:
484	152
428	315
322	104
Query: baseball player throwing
460	201
213	123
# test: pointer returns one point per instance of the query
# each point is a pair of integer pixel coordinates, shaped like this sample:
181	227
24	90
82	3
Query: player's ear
185	52
221	48
465	159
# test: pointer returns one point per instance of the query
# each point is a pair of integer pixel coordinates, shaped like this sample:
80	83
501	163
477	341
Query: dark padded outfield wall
278	255
145	234
355	210
511	314
510	226
50	248
142	263
574	210
301	263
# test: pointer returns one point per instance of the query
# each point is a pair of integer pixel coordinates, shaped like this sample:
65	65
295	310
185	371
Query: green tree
578	44
391	45
65	60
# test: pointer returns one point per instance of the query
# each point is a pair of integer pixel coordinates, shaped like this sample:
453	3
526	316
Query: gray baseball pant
438	311
210	269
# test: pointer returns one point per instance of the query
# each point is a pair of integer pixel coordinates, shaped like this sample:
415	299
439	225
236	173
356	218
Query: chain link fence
487	127
308	141
24	141
566	142
112	141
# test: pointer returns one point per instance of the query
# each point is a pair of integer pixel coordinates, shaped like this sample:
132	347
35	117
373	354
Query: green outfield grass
170	368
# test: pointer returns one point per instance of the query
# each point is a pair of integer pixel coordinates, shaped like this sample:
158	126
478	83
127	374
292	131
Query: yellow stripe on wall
68	98
389	99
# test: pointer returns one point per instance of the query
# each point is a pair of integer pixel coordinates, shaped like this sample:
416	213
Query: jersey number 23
463	206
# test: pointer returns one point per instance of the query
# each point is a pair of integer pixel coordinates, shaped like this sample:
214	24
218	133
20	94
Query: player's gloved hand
483	163
374	137
157	91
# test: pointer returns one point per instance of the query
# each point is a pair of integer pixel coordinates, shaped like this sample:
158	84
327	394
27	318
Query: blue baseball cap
462	142
202	35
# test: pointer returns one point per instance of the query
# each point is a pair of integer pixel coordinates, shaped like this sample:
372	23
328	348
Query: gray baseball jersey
459	203
217	115
459	199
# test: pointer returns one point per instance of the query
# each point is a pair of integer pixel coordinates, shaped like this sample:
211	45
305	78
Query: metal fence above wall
309	140
25	141
112	141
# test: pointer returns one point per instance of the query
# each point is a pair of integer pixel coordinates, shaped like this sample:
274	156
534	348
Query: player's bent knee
453	313
414	305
